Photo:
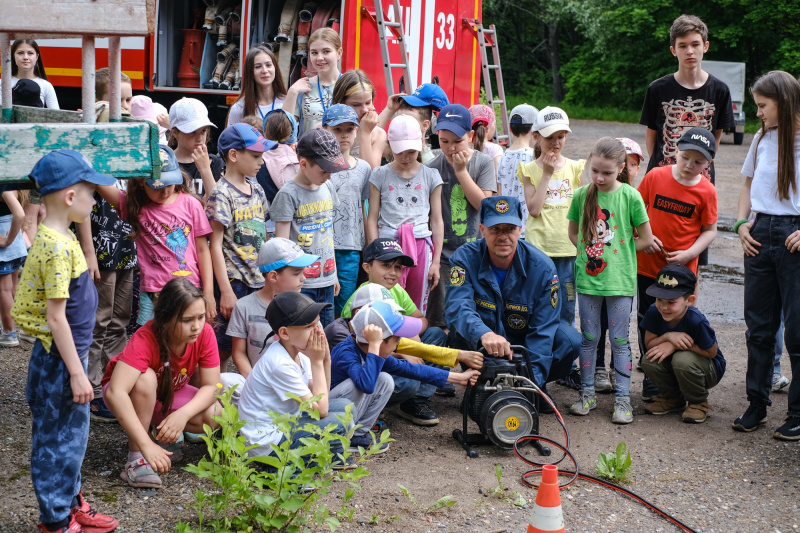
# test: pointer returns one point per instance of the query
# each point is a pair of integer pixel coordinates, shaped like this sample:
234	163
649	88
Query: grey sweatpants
366	407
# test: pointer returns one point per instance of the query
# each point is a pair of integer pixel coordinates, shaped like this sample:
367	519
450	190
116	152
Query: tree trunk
555	61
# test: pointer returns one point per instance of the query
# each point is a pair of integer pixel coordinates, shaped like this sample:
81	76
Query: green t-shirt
399	294
607	266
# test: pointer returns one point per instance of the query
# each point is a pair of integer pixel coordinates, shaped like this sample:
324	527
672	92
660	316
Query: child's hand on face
368	122
460	160
471	359
549	162
462	378
201	159
317	344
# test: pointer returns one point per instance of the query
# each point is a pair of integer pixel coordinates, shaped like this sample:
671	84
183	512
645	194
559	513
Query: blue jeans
771	285
565	268
336	406
407	388
347	264
60	433
776	367
323	295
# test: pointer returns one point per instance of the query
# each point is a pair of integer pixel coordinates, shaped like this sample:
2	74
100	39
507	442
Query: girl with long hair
27	64
263	89
355	89
147	385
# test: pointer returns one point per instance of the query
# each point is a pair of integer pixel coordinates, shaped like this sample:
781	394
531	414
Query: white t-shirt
237	110
46	92
762	165
492	150
266	388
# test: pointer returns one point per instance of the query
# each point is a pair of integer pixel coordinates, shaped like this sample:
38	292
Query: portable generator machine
503	403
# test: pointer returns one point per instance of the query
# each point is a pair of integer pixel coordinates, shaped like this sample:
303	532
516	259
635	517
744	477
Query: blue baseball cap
455	118
243	137
170	169
279	252
292	121
63	168
339	114
427	94
501	210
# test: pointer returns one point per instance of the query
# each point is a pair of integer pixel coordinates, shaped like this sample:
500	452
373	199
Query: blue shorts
9	267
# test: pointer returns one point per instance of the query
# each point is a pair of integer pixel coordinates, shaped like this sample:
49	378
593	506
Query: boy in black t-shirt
683	358
686	99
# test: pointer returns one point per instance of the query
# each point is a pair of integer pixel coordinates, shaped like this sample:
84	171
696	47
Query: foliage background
596	57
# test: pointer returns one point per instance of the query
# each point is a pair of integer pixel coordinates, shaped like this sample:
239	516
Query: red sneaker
73	527
91	520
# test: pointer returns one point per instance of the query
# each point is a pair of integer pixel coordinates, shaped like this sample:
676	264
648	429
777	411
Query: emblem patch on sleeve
457	276
554	295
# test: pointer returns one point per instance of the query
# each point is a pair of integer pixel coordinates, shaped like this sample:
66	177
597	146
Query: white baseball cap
189	115
373	292
385	317
279	252
551	120
404	134
524	114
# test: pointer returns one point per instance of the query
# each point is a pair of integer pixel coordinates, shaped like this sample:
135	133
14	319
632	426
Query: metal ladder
396	28
486	39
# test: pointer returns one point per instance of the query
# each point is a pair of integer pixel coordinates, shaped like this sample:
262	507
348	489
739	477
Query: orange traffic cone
546	516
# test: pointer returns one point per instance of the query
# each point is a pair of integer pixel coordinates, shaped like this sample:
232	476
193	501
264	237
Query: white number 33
446	36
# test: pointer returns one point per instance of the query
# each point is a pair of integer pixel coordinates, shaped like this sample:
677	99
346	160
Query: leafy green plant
445	502
615	466
279	492
501	491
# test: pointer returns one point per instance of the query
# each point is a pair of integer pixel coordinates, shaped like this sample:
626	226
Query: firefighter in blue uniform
504	292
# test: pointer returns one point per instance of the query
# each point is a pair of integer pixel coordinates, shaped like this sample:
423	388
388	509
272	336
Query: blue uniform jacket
525	310
348	361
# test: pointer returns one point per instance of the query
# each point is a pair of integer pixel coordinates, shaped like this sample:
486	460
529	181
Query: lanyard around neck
319	90
271	110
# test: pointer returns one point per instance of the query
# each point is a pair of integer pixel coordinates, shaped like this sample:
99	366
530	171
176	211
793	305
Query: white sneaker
779	382
8	339
25	337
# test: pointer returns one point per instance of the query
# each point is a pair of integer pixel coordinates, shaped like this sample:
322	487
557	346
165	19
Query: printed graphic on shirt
675	207
594	250
558	192
458	209
175	237
682	115
406	196
316	236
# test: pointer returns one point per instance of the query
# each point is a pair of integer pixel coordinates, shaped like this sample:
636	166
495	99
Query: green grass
580	113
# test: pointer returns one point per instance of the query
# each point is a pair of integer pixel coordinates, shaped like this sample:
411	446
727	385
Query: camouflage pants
60	432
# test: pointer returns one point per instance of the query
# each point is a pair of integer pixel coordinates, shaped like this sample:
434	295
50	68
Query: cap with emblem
386	250
672	281
323	147
501	210
427	94
550	120
279	252
701	140
170	169
454	118
243	137
64	168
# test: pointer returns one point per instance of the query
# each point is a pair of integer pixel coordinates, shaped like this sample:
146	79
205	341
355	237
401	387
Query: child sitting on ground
281	263
683	358
362	367
235	210
147	385
299	364
56	303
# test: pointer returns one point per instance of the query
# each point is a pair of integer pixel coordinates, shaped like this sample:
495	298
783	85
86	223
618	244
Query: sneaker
586	402
573	380
601	381
73	527
25	337
366	441
175	447
140	474
8	339
623	411
663	406
194	438
779	382
448	391
790	430
753	417
696	413
649	390
90	519
343	464
99	411
418	412
612	377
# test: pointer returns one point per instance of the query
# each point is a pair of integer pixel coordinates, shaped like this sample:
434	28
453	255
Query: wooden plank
42	114
78	17
123	150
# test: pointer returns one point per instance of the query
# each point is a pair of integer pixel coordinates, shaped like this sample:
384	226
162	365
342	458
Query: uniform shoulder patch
554	295
457	276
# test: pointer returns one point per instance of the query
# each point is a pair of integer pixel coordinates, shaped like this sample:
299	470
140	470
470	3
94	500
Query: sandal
141	475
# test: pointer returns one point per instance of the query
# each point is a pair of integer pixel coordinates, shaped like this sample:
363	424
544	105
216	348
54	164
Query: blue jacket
348	361
525	310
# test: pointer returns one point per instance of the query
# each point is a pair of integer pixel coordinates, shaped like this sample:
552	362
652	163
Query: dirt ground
708	476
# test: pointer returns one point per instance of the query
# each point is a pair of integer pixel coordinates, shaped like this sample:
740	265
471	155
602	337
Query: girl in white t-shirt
405	203
771	243
263	89
27	64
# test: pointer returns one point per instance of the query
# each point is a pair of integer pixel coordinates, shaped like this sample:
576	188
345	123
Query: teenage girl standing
262	86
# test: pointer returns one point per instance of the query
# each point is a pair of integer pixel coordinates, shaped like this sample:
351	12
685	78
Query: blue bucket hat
170	169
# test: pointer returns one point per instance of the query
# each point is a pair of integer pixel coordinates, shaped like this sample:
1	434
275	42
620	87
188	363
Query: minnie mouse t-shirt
606	266
142	352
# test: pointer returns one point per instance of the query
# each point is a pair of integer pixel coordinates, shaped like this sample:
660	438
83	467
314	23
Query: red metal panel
468	67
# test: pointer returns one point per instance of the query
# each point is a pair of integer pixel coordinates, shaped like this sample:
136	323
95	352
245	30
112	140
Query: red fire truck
442	42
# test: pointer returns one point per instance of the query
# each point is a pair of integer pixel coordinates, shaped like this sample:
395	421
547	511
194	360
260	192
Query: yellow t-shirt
549	231
54	260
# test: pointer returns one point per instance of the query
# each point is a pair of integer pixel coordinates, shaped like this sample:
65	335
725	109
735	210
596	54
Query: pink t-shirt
166	245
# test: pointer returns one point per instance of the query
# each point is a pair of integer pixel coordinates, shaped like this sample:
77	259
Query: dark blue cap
501	210
170	169
64	168
455	118
243	137
339	114
427	94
